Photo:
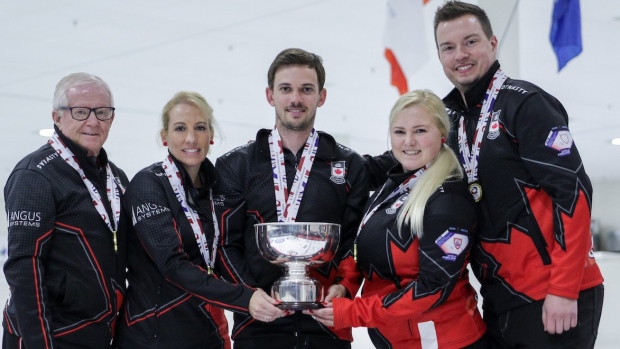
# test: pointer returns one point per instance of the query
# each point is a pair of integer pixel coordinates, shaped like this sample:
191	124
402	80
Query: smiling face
188	135
91	133
415	138
465	52
296	97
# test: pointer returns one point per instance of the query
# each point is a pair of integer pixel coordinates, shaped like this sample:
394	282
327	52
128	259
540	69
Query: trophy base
298	292
299	305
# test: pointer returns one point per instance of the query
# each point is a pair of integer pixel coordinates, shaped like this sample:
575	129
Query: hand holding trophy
299	245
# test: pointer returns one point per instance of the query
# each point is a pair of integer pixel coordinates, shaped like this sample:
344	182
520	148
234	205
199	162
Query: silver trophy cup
298	246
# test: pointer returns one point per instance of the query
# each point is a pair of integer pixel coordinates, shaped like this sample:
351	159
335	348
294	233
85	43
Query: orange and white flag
405	40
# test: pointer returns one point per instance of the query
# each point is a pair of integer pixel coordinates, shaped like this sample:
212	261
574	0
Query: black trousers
297	331
291	342
522	327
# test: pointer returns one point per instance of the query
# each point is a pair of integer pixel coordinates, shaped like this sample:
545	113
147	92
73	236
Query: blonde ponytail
444	166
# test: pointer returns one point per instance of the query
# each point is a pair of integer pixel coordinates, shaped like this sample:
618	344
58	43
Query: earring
443	140
211	142
165	144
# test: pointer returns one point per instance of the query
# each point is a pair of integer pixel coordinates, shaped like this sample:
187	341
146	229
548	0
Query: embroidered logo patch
494	127
453	242
24	218
338	172
560	139
146	210
218	200
398	203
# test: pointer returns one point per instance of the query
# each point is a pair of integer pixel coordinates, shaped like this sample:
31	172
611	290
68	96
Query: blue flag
566	31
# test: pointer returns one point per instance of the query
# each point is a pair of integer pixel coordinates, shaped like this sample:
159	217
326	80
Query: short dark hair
297	56
455	9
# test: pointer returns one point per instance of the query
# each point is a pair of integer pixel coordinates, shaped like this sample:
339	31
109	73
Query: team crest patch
452	242
494	127
560	139
338	172
397	204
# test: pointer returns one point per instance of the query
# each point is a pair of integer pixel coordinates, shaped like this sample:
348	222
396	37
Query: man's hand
559	314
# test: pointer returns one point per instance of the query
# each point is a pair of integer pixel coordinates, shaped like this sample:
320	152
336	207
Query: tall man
66	267
540	283
290	173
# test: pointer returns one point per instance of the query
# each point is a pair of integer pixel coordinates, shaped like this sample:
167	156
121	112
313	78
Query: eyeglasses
82	113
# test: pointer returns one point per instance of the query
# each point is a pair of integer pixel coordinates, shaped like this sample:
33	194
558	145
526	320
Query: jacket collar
476	93
398	175
82	154
207	173
326	150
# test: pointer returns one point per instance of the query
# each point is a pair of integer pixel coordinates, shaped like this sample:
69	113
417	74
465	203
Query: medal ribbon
114	189
174	177
404	188
469	159
287	204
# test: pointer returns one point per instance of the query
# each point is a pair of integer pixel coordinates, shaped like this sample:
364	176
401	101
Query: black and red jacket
535	211
172	301
65	278
415	289
248	195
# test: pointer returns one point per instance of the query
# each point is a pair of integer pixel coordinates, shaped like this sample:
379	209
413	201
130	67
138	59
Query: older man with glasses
66	265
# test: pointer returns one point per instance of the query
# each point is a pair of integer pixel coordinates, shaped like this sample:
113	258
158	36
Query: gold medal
476	191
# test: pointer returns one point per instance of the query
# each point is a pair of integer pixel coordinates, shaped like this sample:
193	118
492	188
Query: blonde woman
413	243
175	297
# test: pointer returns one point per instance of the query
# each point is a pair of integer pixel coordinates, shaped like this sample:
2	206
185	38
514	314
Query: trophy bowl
297	246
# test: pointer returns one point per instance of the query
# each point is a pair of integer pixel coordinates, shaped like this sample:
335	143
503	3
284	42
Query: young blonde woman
413	244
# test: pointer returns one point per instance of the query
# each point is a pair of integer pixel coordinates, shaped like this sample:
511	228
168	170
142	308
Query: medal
476	191
288	202
470	155
174	177
114	188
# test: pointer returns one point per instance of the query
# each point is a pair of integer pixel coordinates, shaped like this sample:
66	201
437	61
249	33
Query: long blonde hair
443	167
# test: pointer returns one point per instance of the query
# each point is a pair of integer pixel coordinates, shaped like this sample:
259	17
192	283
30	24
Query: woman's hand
263	308
326	315
323	315
279	261
335	291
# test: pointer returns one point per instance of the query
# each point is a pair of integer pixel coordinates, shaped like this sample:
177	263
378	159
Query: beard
296	125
